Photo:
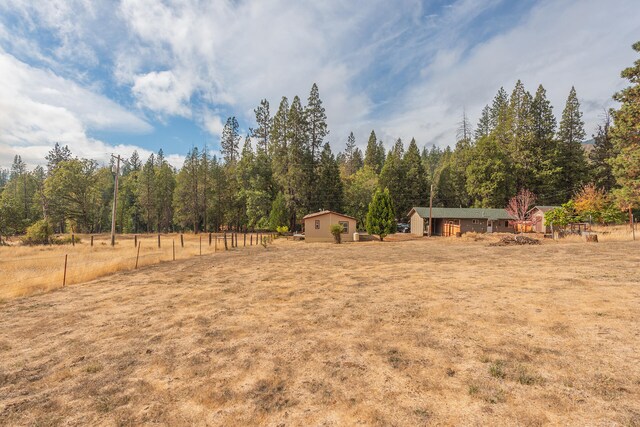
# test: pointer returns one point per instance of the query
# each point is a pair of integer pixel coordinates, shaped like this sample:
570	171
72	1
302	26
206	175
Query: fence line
68	259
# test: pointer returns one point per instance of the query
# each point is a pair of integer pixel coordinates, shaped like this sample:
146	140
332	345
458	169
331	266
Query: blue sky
114	76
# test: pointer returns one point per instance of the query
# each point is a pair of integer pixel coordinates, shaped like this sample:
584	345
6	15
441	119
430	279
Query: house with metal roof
536	217
451	221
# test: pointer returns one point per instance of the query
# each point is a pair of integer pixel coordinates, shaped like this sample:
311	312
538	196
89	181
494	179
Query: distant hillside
588	145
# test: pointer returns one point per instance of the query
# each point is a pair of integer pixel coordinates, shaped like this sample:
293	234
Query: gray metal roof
462	213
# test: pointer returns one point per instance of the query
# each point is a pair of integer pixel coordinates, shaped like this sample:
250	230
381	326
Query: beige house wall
417	224
323	234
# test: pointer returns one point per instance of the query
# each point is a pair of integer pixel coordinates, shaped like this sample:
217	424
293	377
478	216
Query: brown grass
31	269
417	332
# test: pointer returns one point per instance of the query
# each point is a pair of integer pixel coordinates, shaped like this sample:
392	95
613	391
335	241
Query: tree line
284	168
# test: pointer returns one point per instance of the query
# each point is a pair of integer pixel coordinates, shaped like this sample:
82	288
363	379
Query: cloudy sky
112	76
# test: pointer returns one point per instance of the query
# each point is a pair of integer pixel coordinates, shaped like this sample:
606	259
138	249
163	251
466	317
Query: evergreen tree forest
285	168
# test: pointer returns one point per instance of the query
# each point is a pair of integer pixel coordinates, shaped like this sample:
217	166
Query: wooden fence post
92	240
201	245
73	239
209	239
64	277
244	243
225	241
173	242
215	245
135	240
251	239
138	255
158	240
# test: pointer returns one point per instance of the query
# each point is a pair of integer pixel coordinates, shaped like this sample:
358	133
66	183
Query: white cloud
38	108
405	68
163	92
559	44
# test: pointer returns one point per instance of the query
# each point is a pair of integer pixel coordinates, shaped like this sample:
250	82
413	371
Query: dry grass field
418	332
31	269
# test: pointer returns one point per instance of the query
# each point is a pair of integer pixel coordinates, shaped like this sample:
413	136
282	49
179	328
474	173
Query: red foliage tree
519	208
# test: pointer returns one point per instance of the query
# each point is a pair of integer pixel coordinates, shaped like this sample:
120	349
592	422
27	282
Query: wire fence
78	264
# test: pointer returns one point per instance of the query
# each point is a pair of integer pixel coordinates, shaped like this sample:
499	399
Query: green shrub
336	230
39	233
282	229
67	240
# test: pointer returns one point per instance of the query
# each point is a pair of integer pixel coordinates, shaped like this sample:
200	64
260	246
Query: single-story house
317	226
536	216
449	221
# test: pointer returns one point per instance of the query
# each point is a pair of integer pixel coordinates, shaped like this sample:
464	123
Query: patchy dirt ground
447	331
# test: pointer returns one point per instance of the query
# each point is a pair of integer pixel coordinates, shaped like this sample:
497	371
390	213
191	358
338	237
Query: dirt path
398	333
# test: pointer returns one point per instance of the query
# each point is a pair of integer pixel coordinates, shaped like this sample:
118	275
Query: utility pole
430	209
115	201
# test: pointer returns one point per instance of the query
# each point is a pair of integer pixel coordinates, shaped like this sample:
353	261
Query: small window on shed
345	226
506	223
475	221
317	224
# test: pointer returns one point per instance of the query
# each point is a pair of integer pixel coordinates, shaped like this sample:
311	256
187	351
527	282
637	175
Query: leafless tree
519	208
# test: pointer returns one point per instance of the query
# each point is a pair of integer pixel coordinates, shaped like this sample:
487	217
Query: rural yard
444	331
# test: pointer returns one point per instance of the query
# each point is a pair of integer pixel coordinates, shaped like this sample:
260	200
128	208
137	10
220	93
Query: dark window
317	224
345	226
506	223
475	221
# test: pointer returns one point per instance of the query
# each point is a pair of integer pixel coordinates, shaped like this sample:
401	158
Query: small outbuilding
450	221
317	226
536	216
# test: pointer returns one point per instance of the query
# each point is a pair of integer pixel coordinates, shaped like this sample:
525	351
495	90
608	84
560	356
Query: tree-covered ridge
285	168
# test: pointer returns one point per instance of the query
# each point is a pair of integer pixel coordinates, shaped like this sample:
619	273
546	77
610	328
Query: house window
317	224
475	221
345	226
506	223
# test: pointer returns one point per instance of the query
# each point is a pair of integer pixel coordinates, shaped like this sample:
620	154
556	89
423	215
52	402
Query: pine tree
381	215
393	175
160	158
459	161
56	155
147	193
571	159
187	202
297	191
230	141
484	124
165	184
625	135
359	190
487	175
520	139
431	160
357	162
464	128
601	155
264	122
349	149
416	191
330	187
372	156
317	121
544	147
498	116
278	216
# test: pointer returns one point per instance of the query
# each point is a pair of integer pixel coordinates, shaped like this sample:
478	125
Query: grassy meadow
31	269
416	332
